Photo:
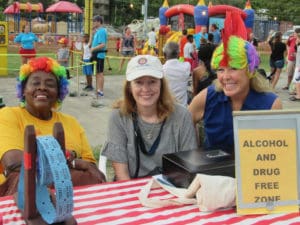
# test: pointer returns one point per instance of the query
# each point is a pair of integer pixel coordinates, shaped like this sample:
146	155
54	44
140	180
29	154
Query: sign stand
267	157
30	213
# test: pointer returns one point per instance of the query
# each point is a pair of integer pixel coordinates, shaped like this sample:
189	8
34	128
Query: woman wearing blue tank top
238	87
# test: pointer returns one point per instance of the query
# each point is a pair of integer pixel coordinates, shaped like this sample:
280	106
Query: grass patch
96	150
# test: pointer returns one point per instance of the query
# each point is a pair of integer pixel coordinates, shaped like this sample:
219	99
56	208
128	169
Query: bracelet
73	164
12	168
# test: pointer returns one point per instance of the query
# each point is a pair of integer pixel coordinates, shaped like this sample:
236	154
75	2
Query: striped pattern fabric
117	203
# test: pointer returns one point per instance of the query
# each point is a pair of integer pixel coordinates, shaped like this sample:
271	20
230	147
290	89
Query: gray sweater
178	134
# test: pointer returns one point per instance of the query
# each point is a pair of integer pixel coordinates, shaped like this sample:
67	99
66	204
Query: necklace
148	131
149	135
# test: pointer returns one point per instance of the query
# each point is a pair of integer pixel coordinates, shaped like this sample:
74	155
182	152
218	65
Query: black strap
137	153
154	146
139	143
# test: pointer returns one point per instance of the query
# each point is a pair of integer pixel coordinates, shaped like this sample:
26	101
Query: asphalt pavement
95	120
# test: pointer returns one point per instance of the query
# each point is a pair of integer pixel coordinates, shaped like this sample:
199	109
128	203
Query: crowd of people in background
195	49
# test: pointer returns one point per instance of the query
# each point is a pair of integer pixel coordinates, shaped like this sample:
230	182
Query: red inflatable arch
181	8
213	10
221	10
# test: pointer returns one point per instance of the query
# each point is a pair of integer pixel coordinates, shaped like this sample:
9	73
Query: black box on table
180	168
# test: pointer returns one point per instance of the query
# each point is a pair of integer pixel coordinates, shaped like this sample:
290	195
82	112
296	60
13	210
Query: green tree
2	17
122	13
3	5
282	10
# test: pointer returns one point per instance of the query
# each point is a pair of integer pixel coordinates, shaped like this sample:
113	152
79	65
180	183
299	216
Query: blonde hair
165	103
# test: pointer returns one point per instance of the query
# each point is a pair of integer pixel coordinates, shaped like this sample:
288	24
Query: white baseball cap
144	65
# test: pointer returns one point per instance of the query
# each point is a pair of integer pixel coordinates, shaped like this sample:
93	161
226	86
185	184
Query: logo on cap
142	61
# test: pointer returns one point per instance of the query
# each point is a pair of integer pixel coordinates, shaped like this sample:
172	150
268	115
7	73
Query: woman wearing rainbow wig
41	88
238	87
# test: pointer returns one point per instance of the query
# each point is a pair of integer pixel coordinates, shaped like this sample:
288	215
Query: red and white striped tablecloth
117	203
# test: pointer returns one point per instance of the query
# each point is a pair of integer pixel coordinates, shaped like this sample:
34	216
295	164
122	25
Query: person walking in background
278	49
216	34
198	36
291	57
87	67
203	75
296	77
189	50
63	54
27	40
146	123
152	41
201	78
99	49
253	40
206	50
127	46
176	73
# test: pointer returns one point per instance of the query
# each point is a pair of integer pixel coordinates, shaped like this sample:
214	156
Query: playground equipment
14	18
3	47
19	14
72	10
39	25
203	16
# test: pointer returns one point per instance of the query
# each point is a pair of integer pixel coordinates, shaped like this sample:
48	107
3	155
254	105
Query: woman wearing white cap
146	123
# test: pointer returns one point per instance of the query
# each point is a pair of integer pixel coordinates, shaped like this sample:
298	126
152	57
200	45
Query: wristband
73	163
11	168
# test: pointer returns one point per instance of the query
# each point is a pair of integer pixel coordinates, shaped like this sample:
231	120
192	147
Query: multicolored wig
235	51
48	65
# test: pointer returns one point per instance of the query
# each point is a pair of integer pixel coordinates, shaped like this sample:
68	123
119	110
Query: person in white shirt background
152	41
177	73
87	68
189	49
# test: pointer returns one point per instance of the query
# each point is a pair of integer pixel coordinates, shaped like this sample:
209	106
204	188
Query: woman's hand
85	173
121	171
11	161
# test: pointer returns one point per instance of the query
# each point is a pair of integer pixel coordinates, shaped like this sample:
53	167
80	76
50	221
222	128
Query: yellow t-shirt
13	121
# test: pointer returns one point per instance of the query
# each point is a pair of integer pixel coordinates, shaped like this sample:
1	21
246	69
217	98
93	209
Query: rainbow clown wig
48	65
240	54
235	51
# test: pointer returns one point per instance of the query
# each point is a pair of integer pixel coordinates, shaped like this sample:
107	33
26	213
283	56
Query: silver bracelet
73	164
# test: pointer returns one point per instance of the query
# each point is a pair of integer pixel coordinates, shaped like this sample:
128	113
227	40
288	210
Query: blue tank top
218	120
